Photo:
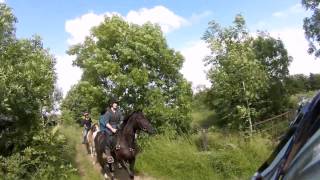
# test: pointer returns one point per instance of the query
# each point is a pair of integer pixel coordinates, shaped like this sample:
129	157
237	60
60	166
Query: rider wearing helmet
110	123
86	122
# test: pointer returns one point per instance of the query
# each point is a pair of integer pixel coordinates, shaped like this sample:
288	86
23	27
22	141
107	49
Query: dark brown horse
125	150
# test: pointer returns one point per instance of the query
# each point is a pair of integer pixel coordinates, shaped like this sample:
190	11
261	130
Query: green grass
295	99
228	157
173	159
79	155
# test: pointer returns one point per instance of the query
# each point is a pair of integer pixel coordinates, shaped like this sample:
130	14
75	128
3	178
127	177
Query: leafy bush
45	158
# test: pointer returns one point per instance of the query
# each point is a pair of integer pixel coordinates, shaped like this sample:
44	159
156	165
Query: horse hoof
119	166
105	176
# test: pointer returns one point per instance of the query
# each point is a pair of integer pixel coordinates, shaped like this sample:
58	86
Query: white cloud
297	46
2	1
68	75
295	9
79	27
161	15
193	68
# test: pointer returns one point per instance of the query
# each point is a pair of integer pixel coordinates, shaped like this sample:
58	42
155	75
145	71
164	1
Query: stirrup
110	159
117	146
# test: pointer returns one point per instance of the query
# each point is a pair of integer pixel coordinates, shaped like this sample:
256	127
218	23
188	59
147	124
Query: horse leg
102	164
131	163
92	151
129	167
110	161
111	169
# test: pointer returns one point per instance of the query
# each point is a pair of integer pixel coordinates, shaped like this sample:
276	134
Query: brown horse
125	150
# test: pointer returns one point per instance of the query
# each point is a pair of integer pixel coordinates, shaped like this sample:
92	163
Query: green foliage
83	97
297	83
300	83
238	78
229	157
311	26
275	61
135	64
44	158
26	84
235	158
296	98
7	29
248	75
27	81
314	81
203	118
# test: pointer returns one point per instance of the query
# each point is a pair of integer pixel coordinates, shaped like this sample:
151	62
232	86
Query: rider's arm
111	128
108	125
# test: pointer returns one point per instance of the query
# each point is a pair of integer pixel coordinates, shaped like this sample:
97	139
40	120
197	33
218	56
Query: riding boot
109	157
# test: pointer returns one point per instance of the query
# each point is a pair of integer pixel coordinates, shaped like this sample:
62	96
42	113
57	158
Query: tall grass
228	157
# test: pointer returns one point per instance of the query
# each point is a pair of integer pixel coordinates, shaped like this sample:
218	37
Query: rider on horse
86	123
109	124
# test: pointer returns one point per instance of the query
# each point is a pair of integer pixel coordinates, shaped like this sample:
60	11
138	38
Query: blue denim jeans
84	135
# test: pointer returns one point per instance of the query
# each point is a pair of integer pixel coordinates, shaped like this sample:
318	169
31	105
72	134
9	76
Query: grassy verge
85	168
228	157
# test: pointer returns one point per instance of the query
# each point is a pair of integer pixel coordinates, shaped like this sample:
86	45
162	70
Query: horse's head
143	123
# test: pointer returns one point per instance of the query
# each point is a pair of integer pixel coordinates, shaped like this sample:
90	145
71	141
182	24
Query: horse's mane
126	119
93	127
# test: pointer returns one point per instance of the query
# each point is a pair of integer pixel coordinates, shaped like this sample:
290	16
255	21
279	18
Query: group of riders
109	123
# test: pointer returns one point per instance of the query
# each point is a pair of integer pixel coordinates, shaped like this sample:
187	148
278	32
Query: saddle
111	141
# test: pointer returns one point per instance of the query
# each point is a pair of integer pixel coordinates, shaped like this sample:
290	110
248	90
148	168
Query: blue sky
63	23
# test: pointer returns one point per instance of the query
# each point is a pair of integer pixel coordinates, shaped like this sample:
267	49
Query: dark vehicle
298	154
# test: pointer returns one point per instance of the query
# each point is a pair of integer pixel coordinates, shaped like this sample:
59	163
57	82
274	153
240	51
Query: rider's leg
84	136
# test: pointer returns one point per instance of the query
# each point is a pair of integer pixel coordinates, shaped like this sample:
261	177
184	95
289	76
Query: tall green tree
275	61
237	76
28	150
27	80
311	26
135	64
83	97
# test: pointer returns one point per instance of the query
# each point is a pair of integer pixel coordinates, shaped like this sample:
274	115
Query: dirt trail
120	174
